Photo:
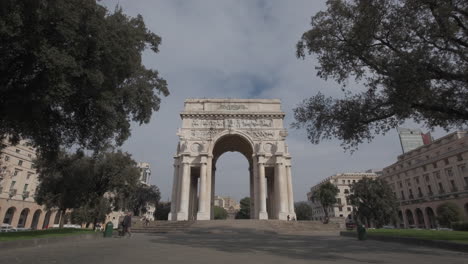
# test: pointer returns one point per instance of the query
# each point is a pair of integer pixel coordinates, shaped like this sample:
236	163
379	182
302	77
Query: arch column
174	196
262	214
204	196
281	193
292	212
182	213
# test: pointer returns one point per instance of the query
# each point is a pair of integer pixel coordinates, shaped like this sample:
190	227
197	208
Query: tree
75	181
162	210
447	213
303	211
374	200
142	196
87	214
71	74
220	213
244	212
63	183
326	195
411	56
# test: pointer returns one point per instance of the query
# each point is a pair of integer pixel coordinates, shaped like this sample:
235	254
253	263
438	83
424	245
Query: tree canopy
411	56
220	213
71	74
244	212
142	196
447	213
374	201
162	211
303	211
326	195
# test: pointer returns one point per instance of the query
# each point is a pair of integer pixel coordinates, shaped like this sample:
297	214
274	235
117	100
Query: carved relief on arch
196	147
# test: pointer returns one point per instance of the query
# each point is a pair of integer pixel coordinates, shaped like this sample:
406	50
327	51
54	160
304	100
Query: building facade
145	172
412	138
226	202
18	183
342	208
428	176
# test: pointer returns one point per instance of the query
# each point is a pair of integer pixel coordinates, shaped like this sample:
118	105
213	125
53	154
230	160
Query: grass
43	233
454	236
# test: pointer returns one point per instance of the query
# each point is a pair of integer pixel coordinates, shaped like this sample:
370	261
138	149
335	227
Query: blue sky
240	49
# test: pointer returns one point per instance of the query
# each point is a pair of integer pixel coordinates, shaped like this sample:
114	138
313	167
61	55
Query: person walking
127	224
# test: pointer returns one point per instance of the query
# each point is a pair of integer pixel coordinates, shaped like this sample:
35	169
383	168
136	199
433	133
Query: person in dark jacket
127	224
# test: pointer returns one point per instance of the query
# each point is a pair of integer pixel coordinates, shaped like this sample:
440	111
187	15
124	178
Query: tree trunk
62	218
325	210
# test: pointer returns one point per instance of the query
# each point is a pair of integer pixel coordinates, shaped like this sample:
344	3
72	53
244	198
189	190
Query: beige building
342	208
18	183
428	176
226	202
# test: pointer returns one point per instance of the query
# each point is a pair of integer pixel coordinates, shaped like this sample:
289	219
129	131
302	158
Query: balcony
411	197
454	189
12	192
25	195
420	195
430	193
441	191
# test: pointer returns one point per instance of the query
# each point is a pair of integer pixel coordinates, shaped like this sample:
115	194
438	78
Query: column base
169	217
263	216
182	216
203	216
284	216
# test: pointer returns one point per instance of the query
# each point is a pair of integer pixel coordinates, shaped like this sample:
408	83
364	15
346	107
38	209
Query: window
29	155
354	181
454	187
17	151
29	175
25	187
349	181
7	158
401	185
20	162
346	191
434	165
349	209
441	187
419	192
449	172
424	168
446	161
340	209
466	181
462	169
344	182
429	189
459	157
12	184
416	179
338	201
437	174
408	183
16	173
402	195
426	177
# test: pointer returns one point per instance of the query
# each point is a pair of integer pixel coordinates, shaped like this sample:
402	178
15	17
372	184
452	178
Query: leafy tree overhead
447	213
63	184
303	211
411	55
244	212
326	196
162	210
71	74
220	213
374	200
142	196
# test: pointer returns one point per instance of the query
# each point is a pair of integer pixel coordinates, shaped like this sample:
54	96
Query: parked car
7	228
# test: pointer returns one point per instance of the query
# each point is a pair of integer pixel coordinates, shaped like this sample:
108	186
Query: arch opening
35	220
9	215
23	217
46	222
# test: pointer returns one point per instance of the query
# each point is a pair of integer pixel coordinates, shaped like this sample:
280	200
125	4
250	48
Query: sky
240	49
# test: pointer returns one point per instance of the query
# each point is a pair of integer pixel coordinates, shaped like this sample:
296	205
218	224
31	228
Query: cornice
220	115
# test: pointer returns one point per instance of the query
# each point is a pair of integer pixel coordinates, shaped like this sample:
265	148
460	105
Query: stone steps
237	226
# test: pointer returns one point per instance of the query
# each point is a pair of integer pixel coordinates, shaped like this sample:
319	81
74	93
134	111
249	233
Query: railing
441	191
420	195
25	194
454	189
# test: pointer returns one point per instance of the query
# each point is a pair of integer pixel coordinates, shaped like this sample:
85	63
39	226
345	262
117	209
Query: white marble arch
211	127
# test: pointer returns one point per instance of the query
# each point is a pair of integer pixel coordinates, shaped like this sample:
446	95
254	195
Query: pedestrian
288	217
127	224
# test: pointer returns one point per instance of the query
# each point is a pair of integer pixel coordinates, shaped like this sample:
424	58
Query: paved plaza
225	248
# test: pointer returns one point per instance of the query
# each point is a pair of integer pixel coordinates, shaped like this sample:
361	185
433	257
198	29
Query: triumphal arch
211	127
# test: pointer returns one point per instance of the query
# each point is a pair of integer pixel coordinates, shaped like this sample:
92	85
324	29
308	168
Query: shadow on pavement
311	247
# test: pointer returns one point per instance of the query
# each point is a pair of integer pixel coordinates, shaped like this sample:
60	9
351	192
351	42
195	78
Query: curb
39	242
414	241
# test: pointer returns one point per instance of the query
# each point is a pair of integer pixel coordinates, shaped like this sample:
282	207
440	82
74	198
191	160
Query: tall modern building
428	176
412	138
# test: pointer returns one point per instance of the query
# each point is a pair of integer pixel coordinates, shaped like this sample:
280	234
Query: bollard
109	229
361	231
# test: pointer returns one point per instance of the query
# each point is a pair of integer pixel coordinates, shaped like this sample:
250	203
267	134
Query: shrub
448	213
460	226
